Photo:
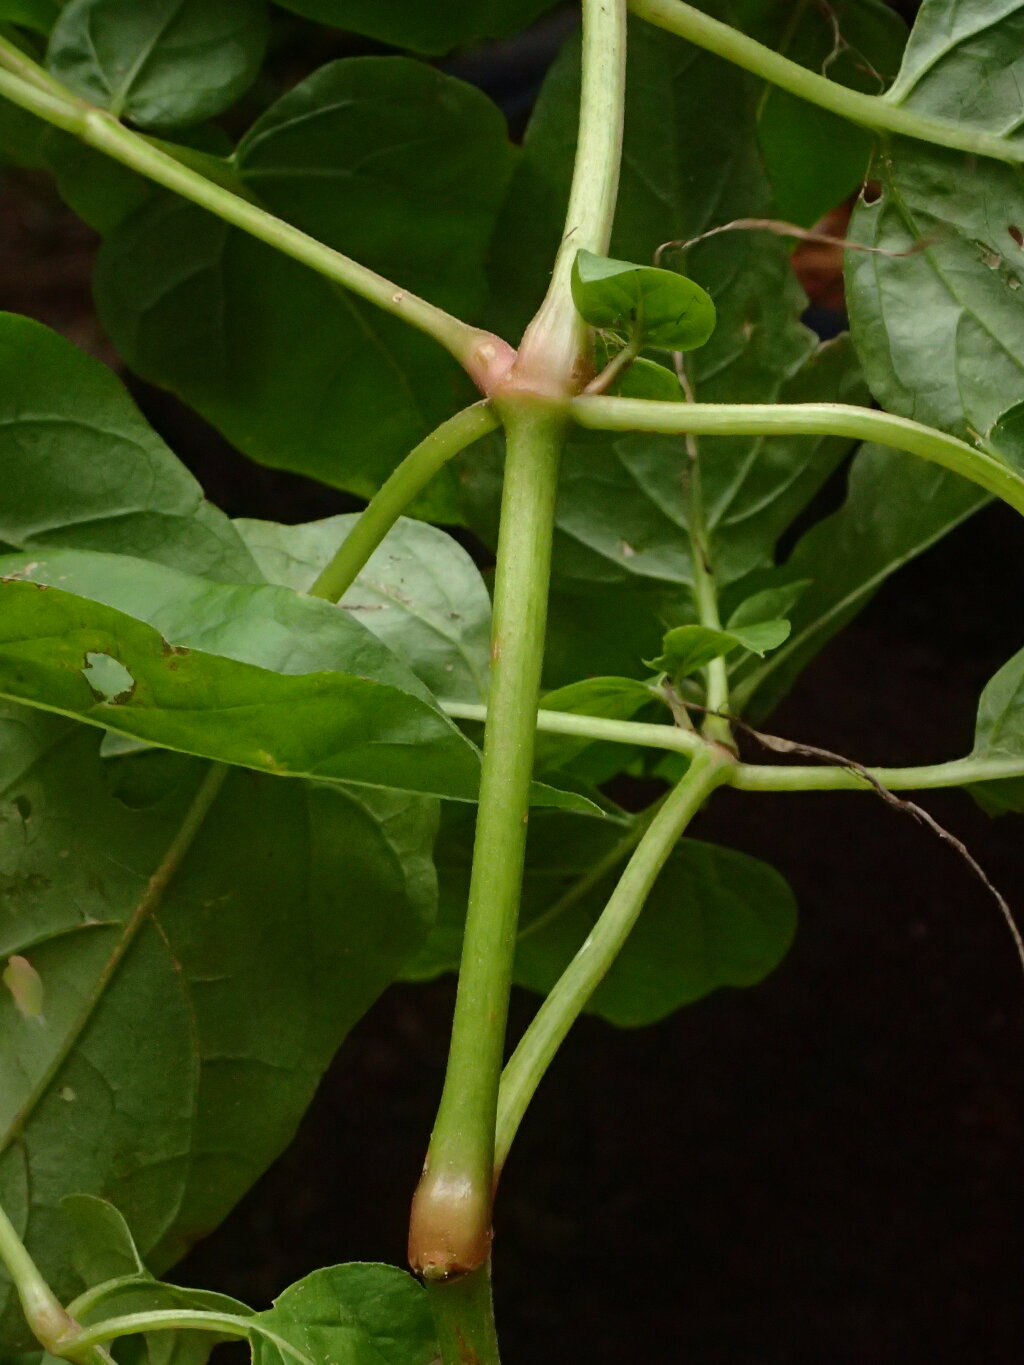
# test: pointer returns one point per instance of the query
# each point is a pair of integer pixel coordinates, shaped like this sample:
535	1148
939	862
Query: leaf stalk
879	113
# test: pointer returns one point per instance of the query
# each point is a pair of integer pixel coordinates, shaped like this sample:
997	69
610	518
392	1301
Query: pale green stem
553	352
450	1224
480	353
880	113
395	495
19	63
959	772
584	974
43	1311
811	419
705	590
450	1229
464	1318
618	363
644	733
175	1320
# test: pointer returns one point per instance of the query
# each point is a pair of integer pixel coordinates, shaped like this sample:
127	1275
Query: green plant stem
387	505
958	772
484	356
464	1315
451	1216
812	419
705	590
880	113
708	770
553	356
43	1311
165	1320
450	1228
618	363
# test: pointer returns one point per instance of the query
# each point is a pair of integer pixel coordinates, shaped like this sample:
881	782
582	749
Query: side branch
398	491
755	777
811	419
485	357
563	1006
876	112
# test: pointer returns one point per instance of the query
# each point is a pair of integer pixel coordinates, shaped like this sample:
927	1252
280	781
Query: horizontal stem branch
395	495
958	772
568	997
811	419
480	353
877	112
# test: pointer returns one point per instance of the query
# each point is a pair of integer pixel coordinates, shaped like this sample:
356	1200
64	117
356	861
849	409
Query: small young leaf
666	309
163	63
610	698
687	649
345	1313
768	604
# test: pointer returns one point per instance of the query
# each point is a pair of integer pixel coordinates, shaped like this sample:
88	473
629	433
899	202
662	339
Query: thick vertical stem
451	1218
464	1316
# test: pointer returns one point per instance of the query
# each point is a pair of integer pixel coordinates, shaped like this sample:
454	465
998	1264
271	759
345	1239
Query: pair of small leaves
652	307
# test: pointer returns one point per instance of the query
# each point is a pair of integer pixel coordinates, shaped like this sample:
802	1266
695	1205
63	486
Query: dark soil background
825	1169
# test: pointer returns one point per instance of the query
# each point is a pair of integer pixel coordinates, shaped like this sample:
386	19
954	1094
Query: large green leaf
83	468
258	677
180	1046
896	507
715	918
814	159
162	63
622	512
940	332
420	593
432	28
385	159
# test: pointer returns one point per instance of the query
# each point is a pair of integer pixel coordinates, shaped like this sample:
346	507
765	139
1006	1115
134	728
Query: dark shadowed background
827	1168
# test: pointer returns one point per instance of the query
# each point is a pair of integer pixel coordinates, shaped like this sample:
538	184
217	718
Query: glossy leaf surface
665	309
209	1015
162	63
357	1312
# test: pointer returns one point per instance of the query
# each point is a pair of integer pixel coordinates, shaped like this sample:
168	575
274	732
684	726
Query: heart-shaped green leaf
658	307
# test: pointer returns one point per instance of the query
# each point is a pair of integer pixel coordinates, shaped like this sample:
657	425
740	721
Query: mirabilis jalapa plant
279	807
